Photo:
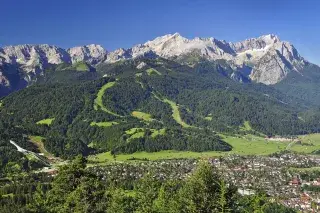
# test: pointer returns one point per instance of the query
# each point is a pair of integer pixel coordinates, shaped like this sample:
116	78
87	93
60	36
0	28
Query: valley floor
242	145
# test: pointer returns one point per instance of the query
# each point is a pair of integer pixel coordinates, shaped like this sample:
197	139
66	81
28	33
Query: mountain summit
268	58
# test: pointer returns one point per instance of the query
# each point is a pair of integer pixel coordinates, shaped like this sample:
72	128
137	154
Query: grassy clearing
156	132
152	71
37	140
139	132
98	101
168	154
134	130
253	145
208	118
135	133
248	145
142	116
47	121
176	114
8	195
81	66
246	126
309	143
92	144
104	124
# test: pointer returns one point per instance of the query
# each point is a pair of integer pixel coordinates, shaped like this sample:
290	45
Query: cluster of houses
279	175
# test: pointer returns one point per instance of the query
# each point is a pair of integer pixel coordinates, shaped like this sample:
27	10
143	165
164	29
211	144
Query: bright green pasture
309	143
104	124
98	101
142	115
47	121
247	145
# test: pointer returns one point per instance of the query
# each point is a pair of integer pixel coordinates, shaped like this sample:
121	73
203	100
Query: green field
246	126
142	116
98	101
134	130
104	124
208	118
135	133
248	145
81	66
47	121
253	145
139	132
156	132
152	71
37	140
8	195
176	114
168	154
309	143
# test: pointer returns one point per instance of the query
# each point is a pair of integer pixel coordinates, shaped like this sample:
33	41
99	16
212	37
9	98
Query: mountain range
170	93
265	59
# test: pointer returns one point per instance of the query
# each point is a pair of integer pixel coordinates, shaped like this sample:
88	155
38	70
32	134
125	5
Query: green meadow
142	116
98	101
247	145
307	145
47	121
104	124
152	71
176	114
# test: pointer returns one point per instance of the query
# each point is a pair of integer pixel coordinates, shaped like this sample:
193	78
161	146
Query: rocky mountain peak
265	59
92	53
33	57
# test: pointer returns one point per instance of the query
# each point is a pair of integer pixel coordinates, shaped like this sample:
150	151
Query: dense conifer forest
125	110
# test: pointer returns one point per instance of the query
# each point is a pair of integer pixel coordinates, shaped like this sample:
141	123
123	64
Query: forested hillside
126	107
303	85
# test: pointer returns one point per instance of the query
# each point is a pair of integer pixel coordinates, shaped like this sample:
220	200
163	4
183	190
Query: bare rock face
265	59
141	65
33	58
270	69
93	54
268	58
280	59
4	80
24	62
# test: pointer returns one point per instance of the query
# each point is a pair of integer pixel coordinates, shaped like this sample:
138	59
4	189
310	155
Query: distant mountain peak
268	59
92	53
249	52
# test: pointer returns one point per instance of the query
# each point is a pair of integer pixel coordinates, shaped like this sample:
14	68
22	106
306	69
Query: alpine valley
171	93
171	125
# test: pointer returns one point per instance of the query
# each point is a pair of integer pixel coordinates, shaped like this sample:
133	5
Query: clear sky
123	23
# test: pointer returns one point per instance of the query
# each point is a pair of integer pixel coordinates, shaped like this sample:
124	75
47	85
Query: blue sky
123	23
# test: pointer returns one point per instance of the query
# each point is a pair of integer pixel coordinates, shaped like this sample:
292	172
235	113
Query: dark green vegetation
76	189
190	103
303	85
